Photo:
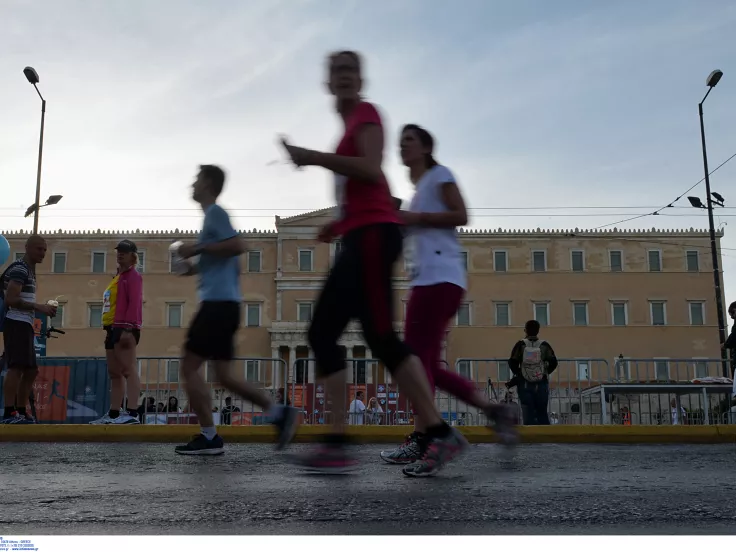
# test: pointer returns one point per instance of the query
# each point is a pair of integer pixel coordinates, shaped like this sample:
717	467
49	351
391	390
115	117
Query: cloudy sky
586	108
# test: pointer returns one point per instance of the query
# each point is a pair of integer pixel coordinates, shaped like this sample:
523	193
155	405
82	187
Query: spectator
730	345
356	410
228	410
678	417
280	398
160	407
532	361
172	406
374	411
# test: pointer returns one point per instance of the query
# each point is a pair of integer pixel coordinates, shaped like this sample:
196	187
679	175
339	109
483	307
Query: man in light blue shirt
212	332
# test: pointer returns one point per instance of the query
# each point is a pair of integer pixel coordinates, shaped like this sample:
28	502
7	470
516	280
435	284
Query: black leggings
360	286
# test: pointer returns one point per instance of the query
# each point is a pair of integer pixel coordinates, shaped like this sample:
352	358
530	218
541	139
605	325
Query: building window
172	371
463	315
539	261
58	320
252	371
693	261
658	311
504	372
697	313
360	372
583	368
464	260
541	313
577	261
655	260
503	315
19	255
301	369
174	312
99	262
616	261
252	315
94	311
500	261
141	268
701	368
254	261
619	314
580	314
171	262
338	247
465	369
305	260
59	266
304	312
662	370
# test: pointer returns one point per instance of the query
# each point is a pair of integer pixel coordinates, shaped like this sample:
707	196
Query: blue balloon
4	250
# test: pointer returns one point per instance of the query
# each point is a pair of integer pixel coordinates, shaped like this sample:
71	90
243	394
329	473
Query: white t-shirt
675	418
433	255
356	410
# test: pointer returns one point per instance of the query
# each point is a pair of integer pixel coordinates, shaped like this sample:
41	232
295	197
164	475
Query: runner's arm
367	166
12	295
228	243
456	214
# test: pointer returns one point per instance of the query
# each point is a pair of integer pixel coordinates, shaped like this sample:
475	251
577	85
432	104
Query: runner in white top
438	280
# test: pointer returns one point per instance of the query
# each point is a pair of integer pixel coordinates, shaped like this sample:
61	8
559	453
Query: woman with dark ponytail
438	281
360	282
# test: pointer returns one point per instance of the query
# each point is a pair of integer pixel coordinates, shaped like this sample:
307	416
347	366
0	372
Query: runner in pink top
438	280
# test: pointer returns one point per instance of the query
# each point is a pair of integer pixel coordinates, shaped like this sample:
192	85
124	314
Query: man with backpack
532	361
17	311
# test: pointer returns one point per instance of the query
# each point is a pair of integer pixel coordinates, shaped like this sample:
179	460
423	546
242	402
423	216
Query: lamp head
695	202
53	200
713	78
31	75
32	209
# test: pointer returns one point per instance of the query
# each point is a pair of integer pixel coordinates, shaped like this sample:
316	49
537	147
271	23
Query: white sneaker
124	419
106	419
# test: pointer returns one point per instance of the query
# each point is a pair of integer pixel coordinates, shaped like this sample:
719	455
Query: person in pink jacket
122	315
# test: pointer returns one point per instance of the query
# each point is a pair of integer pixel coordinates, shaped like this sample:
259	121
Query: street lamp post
32	77
713	79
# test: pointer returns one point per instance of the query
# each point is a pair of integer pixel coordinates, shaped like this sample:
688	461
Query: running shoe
504	421
286	421
438	453
106	419
201	446
329	460
14	419
124	419
407	452
29	419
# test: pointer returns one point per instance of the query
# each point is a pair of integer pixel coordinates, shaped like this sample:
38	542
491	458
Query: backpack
533	367
3	306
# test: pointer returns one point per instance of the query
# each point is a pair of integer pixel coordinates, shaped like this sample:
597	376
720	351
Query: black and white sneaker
201	446
17	419
286	421
409	451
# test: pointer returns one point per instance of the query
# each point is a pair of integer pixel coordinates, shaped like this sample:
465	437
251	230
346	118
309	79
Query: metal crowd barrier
77	390
633	392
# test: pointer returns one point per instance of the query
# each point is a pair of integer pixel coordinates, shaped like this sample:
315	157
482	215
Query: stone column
290	364
277	369
279	308
370	367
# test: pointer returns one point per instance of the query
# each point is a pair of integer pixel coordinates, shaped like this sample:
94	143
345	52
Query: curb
68	433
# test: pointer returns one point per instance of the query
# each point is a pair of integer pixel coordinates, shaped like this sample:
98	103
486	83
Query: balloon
4	250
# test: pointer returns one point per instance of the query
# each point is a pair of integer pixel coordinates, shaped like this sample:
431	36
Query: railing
649	388
77	390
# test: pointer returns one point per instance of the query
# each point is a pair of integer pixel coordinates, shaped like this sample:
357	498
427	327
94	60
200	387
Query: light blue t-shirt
218	276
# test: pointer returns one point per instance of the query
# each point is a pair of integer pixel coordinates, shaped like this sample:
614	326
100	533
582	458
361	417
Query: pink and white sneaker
438	453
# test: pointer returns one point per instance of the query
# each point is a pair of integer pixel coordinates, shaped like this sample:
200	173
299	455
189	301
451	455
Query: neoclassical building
599	295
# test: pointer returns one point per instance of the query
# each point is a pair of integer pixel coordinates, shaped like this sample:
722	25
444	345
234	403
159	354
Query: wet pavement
138	489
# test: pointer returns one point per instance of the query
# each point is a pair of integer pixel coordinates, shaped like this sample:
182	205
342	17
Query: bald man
19	287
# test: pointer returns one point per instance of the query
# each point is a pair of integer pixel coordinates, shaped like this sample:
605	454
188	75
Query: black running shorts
212	332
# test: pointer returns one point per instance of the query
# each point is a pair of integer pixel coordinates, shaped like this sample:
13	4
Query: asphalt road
546	489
